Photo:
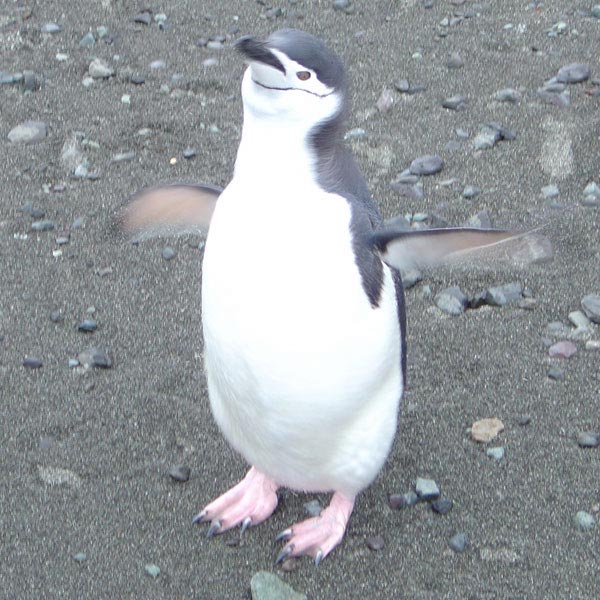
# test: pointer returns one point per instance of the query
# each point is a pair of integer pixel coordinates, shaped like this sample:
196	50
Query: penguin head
292	77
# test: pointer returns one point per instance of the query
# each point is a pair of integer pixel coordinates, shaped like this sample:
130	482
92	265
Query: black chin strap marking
292	88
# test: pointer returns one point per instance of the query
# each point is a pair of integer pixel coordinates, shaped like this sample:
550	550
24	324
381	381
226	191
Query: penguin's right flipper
171	209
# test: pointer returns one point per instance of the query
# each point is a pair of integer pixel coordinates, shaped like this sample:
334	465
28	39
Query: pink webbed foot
318	536
248	503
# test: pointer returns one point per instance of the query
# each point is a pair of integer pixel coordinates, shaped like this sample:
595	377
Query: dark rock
504	294
180	473
145	18
426	165
573	73
588	439
458	542
375	543
442	506
455	103
88	325
31	362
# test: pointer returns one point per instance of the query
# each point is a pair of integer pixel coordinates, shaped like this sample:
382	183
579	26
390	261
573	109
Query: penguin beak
256	51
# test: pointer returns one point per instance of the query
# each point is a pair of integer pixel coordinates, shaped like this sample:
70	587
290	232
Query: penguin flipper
430	248
171	209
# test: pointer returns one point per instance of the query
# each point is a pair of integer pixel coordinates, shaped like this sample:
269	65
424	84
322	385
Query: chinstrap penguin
302	303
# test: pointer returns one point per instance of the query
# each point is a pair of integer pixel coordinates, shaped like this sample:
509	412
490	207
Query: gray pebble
28	132
399	501
455	61
87	325
496	453
35	213
123	156
550	191
507	95
137	79
31	362
50	28
375	543
168	253
591	307
73	362
458	542
452	301
56	317
189	153
442	506
94	357
405	87
427	489
556	374
523	420
504	294
573	73
595	12
385	101
157	64
152	570
268	586
471	191
80	557
313	508
486	139
426	165
180	473
584	521
87	40
31	83
591	189
100	69
145	18
455	103
42	225
588	439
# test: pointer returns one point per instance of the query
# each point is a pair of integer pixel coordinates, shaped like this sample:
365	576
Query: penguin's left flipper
430	248
172	209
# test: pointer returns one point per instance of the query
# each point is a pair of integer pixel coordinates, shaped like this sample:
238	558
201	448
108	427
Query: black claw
214	528
285	535
245	524
199	517
285	553
318	558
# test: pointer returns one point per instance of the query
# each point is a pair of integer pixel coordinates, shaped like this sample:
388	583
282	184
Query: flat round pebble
31	362
375	543
442	506
584	521
458	542
180	473
152	570
588	439
455	103
573	73
485	430
426	165
563	349
28	132
87	325
169	253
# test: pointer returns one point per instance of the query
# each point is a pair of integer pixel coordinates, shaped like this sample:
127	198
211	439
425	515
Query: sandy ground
116	432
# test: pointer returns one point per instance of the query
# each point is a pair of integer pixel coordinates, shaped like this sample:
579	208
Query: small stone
87	40
61	57
496	453
573	73
88	326
455	103
523	420
50	28
556	374
442	506
73	362
458	543
485	430
100	69
56	317
93	357
426	165
313	508
180	473
31	362
145	18
126	99
399	501
81	171
31	83
189	153
427	489
42	225
592	345
102	31
471	191
80	557
504	294
584	521
563	349
28	132
452	301
550	191
385	101
341	4
588	439
375	542
455	61
268	586
595	12
152	570
486	138
123	156
591	307
168	253
507	95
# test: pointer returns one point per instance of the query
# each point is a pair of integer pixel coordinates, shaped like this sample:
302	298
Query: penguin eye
303	75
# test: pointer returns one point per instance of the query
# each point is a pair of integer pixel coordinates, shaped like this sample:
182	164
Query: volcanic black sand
85	453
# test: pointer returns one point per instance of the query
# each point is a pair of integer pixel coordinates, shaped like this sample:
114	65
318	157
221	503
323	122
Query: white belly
304	375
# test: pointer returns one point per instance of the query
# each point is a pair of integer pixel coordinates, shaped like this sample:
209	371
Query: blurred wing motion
172	209
429	248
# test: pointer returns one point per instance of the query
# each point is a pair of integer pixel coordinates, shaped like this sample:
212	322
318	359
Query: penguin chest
293	347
